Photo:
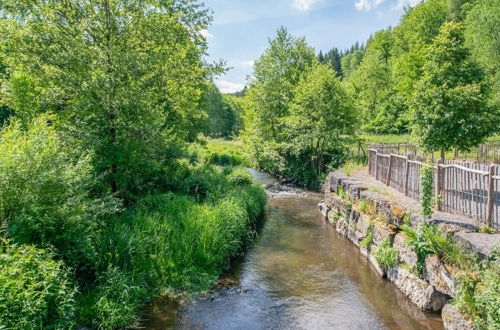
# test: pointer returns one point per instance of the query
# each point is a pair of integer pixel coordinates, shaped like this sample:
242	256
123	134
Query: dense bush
240	177
35	290
170	242
44	194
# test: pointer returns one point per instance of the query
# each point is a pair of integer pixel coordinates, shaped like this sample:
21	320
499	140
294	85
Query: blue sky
241	28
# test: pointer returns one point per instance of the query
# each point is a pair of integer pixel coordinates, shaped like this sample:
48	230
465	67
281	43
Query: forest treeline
435	75
109	198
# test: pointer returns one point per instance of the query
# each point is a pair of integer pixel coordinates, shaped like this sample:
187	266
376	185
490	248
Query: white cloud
303	5
247	64
229	87
368	4
404	3
206	34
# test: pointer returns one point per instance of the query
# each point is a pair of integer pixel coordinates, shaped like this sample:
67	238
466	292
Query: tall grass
169	243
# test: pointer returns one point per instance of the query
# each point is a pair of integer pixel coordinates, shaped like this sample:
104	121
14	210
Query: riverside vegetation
108	197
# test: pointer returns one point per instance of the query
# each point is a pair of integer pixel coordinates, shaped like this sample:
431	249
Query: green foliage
169	242
35	290
368	239
240	177
224	113
45	194
449	104
298	117
428	239
486	306
129	101
481	37
486	230
426	193
386	255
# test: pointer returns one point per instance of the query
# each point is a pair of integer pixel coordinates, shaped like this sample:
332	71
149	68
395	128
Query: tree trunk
443	153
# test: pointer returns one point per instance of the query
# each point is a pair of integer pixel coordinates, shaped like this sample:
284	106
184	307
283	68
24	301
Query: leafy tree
275	75
449	105
482	37
350	62
371	80
322	119
419	25
131	92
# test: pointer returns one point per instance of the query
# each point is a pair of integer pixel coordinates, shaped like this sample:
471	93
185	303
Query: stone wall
345	207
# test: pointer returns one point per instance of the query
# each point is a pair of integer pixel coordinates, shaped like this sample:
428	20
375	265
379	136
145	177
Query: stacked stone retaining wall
382	217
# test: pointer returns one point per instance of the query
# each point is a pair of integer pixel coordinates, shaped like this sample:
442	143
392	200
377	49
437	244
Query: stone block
481	244
406	254
440	275
381	231
419	291
453	319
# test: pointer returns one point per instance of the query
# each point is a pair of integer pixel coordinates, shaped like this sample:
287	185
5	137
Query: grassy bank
169	244
72	255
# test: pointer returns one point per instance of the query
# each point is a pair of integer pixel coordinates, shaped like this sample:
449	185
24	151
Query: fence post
376	164
407	172
388	180
489	207
369	161
437	185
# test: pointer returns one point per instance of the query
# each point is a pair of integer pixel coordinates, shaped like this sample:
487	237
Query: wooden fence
466	188
484	153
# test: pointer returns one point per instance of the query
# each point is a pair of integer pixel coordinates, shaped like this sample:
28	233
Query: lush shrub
169	243
386	255
44	194
35	290
487	297
115	301
240	177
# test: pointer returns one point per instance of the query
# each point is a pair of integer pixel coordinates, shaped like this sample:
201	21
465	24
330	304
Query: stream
299	274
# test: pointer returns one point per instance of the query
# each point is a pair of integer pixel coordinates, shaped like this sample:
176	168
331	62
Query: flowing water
299	275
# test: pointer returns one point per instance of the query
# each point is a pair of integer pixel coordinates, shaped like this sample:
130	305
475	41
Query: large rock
406	254
358	227
341	226
419	291
453	319
440	275
381	231
323	208
481	244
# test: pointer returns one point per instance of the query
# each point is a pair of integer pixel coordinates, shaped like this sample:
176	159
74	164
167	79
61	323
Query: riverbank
438	264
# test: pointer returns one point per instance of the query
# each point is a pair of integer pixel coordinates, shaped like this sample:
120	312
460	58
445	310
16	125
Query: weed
386	255
486	230
368	239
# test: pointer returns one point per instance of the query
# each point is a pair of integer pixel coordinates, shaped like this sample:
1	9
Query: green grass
386	255
219	152
170	243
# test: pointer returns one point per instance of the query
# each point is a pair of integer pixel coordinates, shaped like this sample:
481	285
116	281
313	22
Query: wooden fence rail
466	188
